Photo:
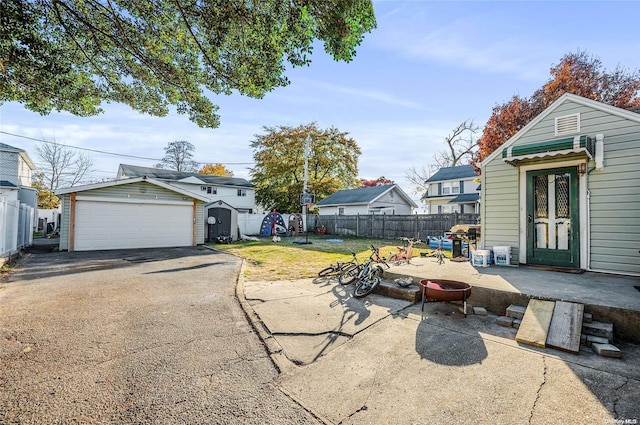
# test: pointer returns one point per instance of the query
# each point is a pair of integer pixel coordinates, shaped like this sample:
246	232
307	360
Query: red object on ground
445	290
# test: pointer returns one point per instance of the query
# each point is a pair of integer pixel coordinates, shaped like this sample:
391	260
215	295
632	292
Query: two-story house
453	189
18	200
235	192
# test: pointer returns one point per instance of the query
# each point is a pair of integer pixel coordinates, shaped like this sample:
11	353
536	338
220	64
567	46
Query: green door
553	217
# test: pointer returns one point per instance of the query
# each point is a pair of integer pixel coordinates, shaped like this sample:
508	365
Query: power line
111	153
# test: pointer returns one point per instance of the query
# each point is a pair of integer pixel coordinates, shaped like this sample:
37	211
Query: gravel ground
144	336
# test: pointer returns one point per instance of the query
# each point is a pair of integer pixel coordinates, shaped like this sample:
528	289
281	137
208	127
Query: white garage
131	213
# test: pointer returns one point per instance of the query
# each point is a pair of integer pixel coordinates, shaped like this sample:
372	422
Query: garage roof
130	181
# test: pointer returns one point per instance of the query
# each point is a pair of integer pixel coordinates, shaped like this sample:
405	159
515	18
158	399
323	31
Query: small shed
565	190
385	199
130	213
222	219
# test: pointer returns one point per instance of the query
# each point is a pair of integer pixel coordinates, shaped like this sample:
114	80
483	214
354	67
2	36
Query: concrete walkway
381	360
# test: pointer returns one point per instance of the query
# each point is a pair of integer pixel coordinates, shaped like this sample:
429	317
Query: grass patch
268	260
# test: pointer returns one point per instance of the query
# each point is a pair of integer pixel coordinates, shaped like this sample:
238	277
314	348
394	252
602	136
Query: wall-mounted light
582	168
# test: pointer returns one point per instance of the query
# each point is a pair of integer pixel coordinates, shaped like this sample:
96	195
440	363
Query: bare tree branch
63	167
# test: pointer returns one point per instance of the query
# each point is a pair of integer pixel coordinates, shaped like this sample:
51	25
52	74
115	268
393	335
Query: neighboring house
18	200
565	190
138	212
453	189
386	199
235	192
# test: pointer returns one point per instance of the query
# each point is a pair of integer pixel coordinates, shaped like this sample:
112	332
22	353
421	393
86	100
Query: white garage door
115	225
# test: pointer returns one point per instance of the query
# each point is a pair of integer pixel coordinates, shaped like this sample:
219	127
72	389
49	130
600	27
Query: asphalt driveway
145	336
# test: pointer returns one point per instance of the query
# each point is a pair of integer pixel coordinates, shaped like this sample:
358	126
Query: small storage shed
222	219
130	213
565	190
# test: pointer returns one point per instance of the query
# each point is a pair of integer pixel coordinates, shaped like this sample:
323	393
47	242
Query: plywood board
566	327
535	324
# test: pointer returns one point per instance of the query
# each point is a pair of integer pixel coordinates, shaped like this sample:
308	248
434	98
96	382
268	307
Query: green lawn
268	260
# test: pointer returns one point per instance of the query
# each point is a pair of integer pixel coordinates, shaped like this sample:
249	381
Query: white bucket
481	257
502	255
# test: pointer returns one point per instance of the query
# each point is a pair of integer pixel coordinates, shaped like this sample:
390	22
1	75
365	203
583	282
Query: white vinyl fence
16	224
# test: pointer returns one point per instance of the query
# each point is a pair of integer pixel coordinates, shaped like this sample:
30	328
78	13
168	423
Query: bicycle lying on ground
338	267
368	278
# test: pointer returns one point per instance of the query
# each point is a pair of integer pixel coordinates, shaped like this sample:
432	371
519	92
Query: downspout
599	165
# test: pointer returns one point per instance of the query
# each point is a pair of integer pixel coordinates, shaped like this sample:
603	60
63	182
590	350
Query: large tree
578	73
73	55
178	156
61	165
216	169
279	157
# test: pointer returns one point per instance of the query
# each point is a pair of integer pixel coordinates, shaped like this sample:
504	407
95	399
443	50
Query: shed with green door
565	190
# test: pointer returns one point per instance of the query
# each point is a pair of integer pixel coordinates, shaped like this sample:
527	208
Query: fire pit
445	290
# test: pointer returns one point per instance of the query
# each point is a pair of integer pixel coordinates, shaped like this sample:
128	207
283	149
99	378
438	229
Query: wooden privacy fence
382	226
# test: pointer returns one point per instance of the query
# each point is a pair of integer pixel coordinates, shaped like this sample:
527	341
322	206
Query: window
449	208
209	189
242	192
340	210
450	187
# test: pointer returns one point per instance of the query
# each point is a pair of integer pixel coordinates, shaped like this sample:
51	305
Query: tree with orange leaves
216	170
577	73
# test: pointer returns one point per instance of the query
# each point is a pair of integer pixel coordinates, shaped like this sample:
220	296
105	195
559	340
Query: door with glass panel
553	217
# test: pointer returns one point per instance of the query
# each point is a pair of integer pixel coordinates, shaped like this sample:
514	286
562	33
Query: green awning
571	146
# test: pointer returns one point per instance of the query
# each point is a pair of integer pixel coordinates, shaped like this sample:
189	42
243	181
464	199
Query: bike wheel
349	275
365	287
326	271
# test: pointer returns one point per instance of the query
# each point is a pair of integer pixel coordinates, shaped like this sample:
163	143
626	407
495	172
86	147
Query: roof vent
569	124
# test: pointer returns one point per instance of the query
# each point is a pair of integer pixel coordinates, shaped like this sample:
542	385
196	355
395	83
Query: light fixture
582	168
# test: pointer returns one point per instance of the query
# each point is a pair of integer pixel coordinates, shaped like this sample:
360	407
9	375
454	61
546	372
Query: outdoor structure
222	219
565	190
386	199
138	212
453	190
235	192
18	200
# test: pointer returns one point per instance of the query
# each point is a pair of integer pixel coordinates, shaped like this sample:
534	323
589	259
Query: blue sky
427	67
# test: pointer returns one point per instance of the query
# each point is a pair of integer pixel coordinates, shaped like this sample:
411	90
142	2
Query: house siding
615	200
611	233
500	205
9	167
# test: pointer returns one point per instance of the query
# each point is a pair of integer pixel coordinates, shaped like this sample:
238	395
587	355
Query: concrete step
389	288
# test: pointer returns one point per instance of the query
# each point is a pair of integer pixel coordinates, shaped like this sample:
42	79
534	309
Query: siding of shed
614	191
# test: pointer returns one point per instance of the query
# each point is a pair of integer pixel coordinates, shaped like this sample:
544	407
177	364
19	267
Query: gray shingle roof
362	195
6	183
159	173
465	198
5	147
453	173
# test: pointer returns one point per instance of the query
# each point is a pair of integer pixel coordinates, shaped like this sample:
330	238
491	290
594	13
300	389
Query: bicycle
438	253
350	274
405	252
368	278
338	267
